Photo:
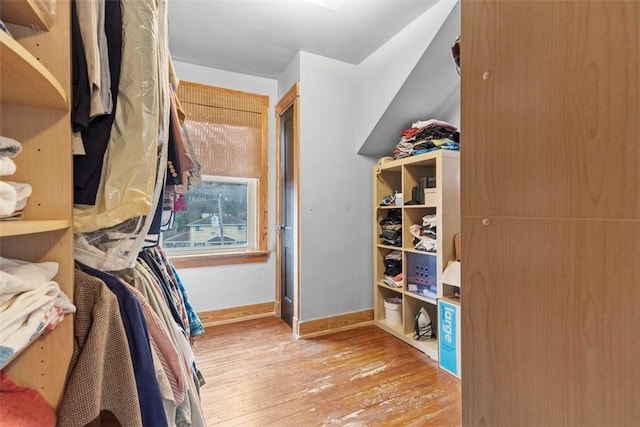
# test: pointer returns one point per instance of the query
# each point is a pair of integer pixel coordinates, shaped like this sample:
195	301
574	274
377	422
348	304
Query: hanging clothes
133	297
151	406
189	413
128	175
91	25
95	134
101	376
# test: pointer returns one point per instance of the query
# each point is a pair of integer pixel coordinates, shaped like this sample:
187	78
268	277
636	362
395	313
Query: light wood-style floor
257	374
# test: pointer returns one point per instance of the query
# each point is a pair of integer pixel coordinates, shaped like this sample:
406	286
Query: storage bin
393	310
421	275
430	197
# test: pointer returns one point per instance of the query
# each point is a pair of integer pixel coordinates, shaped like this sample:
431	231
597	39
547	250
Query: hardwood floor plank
258	375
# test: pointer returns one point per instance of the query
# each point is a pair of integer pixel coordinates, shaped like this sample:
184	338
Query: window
224	219
220	206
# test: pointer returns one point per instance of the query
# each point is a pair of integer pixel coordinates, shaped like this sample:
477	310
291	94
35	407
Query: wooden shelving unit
35	80
24	80
26	13
17	228
401	175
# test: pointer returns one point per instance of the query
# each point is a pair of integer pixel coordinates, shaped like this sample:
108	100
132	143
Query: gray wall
212	288
383	73
335	194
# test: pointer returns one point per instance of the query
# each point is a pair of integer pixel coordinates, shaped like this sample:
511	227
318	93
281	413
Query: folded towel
7	166
23	191
19	276
9	147
23	315
13	217
8	198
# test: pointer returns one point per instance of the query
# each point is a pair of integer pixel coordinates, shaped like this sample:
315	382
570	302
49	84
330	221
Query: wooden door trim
290	99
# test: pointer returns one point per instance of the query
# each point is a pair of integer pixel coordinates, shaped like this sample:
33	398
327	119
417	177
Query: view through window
226	212
219	216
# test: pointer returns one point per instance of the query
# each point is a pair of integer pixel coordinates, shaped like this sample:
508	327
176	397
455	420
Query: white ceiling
261	37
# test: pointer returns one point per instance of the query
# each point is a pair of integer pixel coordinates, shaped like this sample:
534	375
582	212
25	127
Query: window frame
245	256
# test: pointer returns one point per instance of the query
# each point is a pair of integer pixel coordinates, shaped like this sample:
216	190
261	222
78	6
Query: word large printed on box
449	337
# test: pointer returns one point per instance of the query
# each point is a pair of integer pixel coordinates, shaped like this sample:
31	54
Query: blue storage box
449	336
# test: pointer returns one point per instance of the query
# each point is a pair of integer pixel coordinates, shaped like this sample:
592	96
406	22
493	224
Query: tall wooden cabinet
35	79
550	213
419	267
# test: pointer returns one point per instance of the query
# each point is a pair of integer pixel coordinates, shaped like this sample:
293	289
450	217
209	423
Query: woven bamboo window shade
227	129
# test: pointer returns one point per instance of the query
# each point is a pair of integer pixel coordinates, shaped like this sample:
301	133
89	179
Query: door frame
290	99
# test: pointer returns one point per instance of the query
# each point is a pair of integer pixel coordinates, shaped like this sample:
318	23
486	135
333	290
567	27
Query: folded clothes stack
393	269
391	227
13	195
427	135
30	301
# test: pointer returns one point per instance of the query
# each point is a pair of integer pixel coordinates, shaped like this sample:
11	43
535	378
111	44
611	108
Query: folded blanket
9	147
19	276
29	302
8	198
7	166
23	315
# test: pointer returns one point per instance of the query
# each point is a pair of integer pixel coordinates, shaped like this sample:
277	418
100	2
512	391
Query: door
287	268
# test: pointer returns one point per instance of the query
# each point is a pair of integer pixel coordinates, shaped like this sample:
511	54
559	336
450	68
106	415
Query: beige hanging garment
129	170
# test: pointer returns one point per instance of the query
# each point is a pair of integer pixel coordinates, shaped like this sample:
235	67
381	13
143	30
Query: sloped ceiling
261	37
432	90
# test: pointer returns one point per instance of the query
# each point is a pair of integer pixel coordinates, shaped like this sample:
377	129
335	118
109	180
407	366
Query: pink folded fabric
23	407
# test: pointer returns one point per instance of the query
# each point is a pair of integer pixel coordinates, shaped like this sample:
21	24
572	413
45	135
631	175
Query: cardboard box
449	336
451	274
430	197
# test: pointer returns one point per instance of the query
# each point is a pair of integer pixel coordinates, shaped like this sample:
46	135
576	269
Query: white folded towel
18	276
8	199
9	147
7	166
23	191
26	311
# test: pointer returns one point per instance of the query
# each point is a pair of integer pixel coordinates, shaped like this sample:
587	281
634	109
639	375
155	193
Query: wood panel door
287	252
550	202
550	318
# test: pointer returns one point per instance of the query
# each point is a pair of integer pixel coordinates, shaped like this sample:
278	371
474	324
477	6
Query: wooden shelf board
430	347
24	12
18	228
24	80
451	299
394	329
415	251
425	159
395	248
432	301
384	285
418	206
